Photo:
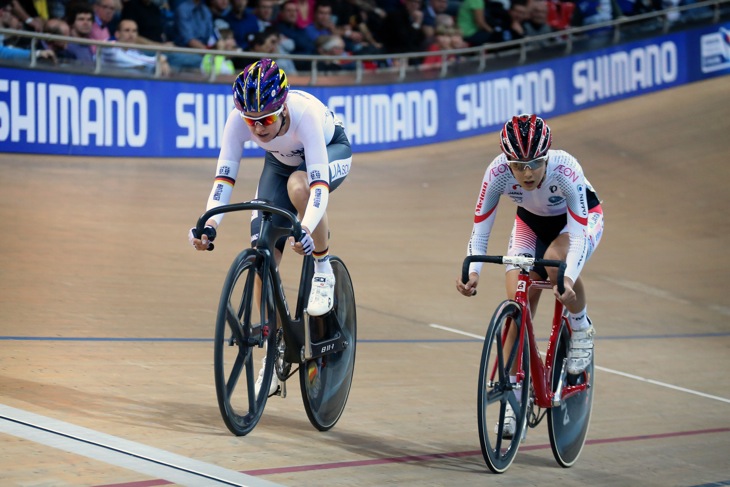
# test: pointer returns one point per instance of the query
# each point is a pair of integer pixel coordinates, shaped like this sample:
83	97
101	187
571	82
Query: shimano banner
54	113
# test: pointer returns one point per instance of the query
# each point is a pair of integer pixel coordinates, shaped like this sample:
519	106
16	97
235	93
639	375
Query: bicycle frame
541	371
297	336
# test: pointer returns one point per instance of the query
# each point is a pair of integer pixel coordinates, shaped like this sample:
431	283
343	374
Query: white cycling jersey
311	127
561	192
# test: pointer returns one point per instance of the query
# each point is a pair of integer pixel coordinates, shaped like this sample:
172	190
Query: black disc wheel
245	340
496	391
568	422
325	382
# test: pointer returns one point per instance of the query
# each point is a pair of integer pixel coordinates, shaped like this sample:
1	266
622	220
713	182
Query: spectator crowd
338	28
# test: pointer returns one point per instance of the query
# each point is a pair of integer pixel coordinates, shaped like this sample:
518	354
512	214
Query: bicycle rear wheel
325	381
498	448
568	423
244	338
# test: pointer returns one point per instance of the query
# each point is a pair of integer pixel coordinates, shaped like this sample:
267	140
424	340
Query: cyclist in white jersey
308	155
558	217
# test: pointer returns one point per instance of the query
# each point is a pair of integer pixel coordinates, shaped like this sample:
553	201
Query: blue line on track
384	340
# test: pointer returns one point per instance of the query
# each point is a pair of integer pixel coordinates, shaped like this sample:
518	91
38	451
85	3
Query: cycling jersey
560	203
304	145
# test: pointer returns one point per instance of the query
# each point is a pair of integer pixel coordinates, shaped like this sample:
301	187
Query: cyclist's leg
272	187
523	241
581	342
558	250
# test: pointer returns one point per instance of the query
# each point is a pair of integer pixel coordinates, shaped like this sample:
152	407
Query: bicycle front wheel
496	391
568	423
325	381
244	340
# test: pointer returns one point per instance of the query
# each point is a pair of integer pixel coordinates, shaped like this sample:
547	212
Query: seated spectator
443	41
287	27
58	27
352	25
333	45
104	11
402	30
473	24
589	12
8	20
27	13
80	19
305	12
132	59
388	6
264	12
18	53
560	14
322	24
508	26
637	7
243	23
219	8
430	11
537	19
219	63
268	42
152	18
194	23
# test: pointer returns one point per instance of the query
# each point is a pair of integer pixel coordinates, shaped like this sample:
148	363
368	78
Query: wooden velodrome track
106	316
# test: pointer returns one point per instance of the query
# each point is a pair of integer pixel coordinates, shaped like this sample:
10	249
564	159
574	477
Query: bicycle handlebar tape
561	277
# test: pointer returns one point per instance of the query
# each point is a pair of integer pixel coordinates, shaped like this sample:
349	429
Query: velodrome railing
406	66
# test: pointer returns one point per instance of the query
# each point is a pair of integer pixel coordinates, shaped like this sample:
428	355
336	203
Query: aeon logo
715	51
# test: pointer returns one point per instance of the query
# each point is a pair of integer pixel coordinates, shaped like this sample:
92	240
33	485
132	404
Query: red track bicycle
541	387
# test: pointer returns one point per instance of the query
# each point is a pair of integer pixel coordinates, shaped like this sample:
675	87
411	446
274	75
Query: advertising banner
55	113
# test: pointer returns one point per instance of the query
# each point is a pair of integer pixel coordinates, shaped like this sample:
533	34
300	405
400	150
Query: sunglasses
264	120
522	166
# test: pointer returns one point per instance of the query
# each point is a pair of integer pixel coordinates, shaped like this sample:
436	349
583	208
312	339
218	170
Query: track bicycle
254	325
541	387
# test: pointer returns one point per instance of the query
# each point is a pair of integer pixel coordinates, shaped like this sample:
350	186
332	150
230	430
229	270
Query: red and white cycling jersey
563	191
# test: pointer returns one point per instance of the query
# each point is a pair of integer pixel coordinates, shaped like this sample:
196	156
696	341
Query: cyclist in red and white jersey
559	216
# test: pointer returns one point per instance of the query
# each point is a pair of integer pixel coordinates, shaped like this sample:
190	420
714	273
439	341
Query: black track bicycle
255	326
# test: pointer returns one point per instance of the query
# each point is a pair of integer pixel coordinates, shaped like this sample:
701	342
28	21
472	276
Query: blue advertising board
55	113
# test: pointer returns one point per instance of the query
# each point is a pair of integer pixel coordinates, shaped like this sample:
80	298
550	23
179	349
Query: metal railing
402	66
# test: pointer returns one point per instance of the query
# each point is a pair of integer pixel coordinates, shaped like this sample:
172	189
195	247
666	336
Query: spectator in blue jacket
287	27
194	22
243	23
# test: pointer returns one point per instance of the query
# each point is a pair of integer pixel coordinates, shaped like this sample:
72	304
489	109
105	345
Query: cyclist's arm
235	134
577	210
485	214
311	133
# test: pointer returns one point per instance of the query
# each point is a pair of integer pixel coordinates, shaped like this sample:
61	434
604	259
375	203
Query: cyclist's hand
305	245
470	288
204	241
568	296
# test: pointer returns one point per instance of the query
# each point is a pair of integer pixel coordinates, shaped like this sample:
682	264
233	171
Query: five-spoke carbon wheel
496	390
245	337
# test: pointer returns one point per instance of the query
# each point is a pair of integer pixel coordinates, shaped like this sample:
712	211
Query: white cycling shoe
510	423
581	350
274	380
322	296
